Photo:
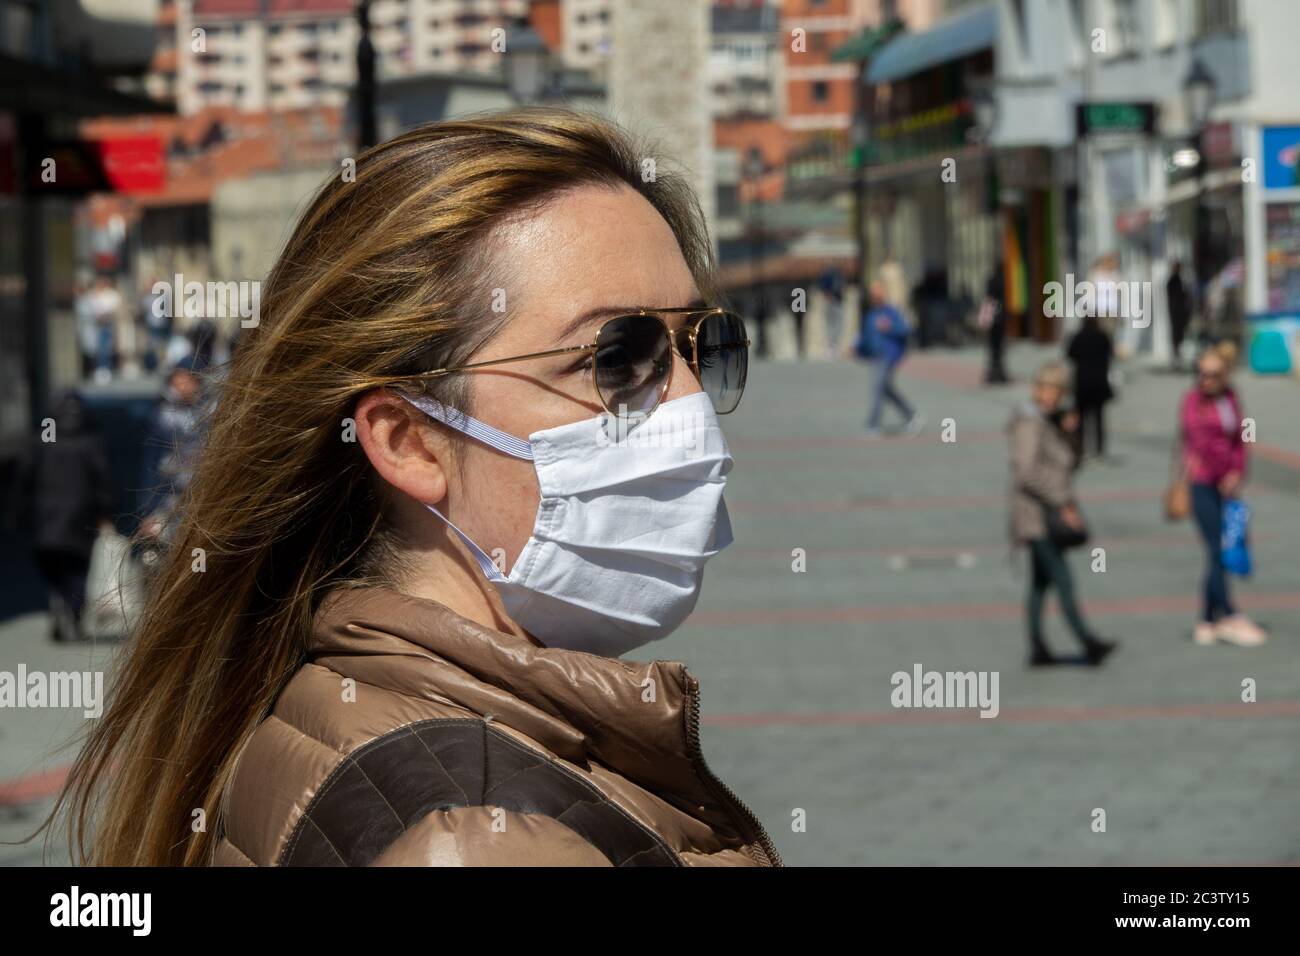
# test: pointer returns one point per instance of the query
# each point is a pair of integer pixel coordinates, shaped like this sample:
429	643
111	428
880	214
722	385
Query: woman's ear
402	447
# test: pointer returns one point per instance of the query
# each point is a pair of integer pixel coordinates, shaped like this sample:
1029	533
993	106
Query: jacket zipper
757	834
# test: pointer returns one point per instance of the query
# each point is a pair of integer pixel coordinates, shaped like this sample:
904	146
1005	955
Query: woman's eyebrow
609	311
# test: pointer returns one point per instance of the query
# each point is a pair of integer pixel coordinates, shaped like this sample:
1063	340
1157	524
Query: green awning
865	44
960	35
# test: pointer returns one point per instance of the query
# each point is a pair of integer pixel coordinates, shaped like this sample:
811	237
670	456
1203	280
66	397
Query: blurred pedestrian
105	304
69	499
1091	351
1045	516
1214	461
1105	280
898	293
993	319
887	331
203	344
831	283
1179	299
172	447
157	324
87	331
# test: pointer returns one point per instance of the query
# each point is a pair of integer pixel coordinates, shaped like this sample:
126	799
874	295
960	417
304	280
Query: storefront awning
867	43
960	35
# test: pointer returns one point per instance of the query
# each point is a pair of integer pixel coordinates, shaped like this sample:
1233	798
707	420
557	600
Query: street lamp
367	125
527	63
984	105
1200	90
860	134
752	169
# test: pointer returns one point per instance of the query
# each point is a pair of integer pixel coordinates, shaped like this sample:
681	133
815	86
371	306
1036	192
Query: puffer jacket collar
632	717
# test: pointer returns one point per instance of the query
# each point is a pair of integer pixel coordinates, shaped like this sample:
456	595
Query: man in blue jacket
887	331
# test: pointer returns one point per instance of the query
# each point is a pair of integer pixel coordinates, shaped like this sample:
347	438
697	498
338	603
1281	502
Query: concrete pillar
783	341
816	326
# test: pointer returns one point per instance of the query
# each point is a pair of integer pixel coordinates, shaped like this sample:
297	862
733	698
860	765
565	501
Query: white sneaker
1240	630
1204	633
915	424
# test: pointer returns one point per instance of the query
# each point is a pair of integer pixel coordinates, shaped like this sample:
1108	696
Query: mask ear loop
485	433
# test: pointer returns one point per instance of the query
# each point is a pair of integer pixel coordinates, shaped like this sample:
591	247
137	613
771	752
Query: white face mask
626	521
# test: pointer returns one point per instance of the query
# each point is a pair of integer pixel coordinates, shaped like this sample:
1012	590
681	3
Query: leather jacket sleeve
490	836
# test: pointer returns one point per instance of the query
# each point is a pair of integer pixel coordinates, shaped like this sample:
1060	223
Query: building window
821	91
1215	16
1165	32
1128	26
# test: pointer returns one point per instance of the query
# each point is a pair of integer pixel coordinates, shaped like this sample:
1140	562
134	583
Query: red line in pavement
33	786
918	503
1283	600
944	371
1031	715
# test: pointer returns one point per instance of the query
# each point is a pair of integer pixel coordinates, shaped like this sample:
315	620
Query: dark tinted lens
633	359
723	350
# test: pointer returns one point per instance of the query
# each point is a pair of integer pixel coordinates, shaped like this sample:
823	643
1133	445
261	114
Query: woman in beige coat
1044	455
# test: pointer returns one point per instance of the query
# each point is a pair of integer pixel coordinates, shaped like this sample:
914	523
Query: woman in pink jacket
1214	459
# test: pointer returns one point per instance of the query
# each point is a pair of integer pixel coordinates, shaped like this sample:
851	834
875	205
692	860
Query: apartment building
291	54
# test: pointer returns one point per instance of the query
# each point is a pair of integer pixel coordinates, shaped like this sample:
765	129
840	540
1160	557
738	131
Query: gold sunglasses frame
674	338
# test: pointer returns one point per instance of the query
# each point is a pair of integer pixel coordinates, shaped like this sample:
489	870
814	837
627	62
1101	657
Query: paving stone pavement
795	668
907	563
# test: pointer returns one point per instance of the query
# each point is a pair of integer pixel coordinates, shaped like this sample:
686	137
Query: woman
1043	460
1214	462
1091	351
426	542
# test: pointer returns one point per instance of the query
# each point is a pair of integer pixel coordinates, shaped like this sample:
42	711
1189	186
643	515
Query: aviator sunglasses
631	359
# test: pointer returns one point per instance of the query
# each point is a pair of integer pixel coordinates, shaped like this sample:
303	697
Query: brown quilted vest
415	737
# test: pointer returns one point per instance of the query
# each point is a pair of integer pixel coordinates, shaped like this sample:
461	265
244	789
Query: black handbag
1061	534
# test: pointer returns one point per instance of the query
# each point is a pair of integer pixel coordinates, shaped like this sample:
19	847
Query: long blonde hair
383	277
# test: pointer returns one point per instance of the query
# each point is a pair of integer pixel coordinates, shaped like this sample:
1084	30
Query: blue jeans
1207	508
882	388
104	347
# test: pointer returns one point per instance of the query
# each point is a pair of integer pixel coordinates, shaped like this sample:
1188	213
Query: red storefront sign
133	164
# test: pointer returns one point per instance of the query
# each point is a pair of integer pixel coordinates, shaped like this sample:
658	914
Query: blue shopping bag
1236	542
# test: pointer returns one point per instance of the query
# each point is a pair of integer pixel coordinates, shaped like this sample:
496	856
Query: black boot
1096	650
1040	656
